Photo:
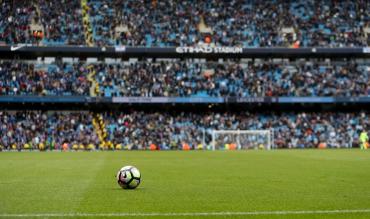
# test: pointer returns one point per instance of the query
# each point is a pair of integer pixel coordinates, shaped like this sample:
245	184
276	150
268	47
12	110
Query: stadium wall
29	52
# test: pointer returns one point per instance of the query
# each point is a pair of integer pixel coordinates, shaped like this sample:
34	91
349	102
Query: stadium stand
14	23
29	129
62	22
248	79
231	23
187	79
170	130
22	78
221	23
95	81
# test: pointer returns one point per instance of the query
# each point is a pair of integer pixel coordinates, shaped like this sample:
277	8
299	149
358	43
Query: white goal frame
268	132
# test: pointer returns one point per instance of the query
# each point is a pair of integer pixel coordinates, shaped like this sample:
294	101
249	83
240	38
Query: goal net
242	139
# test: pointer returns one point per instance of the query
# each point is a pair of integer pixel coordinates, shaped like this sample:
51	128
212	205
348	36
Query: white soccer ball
128	177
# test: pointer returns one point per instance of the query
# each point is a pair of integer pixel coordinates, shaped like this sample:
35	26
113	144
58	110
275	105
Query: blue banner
170	100
306	100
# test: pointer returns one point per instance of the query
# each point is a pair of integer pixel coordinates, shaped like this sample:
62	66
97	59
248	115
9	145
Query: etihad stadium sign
207	49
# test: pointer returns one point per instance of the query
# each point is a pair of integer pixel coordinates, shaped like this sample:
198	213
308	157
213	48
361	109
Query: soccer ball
128	177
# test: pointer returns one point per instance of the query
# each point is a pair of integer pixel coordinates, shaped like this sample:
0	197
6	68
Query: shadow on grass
139	188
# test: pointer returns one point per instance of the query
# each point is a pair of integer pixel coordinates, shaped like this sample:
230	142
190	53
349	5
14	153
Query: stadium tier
175	78
174	130
35	129
137	129
22	78
241	79
276	23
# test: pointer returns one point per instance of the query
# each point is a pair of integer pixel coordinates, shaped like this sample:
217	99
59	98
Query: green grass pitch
37	184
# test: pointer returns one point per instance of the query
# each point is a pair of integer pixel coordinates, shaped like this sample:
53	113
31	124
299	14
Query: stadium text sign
207	49
253	100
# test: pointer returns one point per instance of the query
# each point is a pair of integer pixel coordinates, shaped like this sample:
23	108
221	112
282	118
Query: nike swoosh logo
13	48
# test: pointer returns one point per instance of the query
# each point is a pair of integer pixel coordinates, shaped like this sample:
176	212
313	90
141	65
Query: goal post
242	139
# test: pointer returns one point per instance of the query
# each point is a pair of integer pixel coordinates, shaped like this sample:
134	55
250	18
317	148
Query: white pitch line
184	214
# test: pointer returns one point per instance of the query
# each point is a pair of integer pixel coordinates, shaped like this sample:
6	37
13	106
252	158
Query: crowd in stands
187	23
15	21
171	130
29	129
252	23
62	22
187	79
184	79
21	78
231	23
58	21
242	23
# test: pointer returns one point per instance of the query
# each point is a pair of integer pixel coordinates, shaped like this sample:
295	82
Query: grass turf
180	181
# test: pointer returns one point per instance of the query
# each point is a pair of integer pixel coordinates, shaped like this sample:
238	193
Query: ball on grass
128	177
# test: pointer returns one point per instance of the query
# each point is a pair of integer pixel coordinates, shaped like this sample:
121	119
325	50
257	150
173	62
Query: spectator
50	128
138	129
231	23
173	130
186	79
189	23
20	78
